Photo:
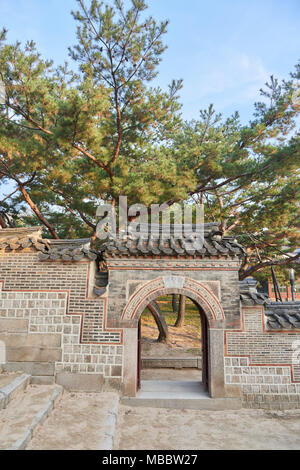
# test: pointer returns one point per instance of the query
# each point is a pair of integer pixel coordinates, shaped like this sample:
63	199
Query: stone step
182	403
80	421
24	413
7	377
186	374
179	395
12	385
172	362
172	386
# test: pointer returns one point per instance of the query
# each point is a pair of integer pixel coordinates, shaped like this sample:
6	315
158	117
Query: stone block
176	363
32	354
233	391
31	368
112	383
116	371
13	325
80	382
42	380
31	340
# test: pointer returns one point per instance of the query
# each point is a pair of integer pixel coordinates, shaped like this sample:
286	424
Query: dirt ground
19	414
151	348
182	343
78	422
166	429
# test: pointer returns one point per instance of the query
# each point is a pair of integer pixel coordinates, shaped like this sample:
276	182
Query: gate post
130	361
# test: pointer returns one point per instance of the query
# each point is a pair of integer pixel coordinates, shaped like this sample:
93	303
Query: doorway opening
173	345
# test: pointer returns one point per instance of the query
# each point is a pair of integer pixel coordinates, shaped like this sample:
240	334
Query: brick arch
155	288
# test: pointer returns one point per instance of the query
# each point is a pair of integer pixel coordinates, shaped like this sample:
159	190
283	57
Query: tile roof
68	250
18	239
209	244
249	295
13	239
279	315
283	315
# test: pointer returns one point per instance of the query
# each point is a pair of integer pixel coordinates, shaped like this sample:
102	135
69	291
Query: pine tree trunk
174	303
181	312
160	321
2	222
37	212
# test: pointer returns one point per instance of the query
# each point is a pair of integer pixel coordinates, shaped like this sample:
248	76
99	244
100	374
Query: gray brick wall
52	296
44	300
262	363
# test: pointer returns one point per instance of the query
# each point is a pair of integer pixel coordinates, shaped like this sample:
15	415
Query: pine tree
71	140
84	138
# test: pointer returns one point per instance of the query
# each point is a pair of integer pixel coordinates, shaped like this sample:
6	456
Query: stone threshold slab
179	395
171	362
201	403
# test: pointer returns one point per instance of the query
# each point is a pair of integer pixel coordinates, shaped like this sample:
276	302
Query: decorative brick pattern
53	297
167	264
262	386
44	310
261	346
267	373
207	297
99	359
143	292
190	287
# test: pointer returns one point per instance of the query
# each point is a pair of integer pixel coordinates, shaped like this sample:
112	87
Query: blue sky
224	50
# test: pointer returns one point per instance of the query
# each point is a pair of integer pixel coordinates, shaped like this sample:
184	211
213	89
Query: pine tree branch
27	198
127	39
252	269
81	214
74	145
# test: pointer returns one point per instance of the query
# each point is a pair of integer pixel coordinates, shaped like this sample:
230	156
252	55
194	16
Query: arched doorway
211	314
173	343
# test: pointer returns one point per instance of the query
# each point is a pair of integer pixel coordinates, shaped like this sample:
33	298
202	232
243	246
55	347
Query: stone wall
51	323
263	363
55	327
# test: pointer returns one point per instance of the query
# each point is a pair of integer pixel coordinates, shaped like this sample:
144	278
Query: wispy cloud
234	71
231	80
